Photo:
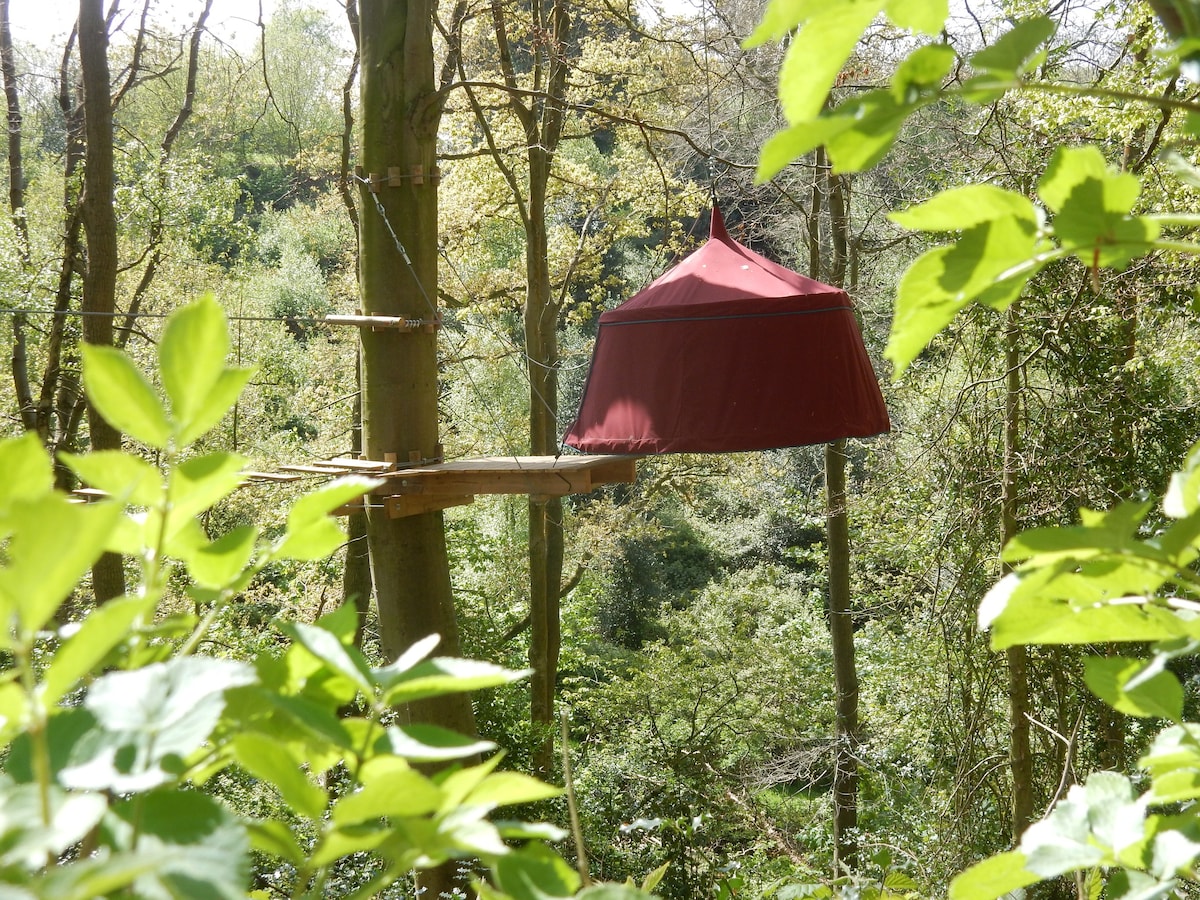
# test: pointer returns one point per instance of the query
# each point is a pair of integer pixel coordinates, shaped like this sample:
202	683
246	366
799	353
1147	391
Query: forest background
696	660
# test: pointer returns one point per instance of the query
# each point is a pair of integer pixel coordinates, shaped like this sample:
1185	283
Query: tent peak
716	230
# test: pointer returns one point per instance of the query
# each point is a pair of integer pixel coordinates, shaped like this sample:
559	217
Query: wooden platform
431	487
428	487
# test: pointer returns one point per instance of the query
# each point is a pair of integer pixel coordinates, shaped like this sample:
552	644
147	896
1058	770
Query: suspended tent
728	351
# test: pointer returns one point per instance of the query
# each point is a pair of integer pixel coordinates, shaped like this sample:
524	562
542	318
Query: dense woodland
681	623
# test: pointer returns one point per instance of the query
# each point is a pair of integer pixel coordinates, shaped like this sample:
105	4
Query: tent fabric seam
792	312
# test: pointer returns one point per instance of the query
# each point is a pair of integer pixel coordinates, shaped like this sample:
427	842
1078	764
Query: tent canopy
728	351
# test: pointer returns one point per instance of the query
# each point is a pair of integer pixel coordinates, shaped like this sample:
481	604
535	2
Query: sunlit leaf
1160	696
817	53
191	355
993	878
1009	54
270	761
122	475
123	396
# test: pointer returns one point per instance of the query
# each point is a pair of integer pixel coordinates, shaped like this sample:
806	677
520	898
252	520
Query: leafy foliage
1118	577
114	724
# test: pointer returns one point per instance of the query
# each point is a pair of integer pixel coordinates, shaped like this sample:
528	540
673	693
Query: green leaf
440	676
1160	696
508	788
270	761
220	563
200	482
919	16
899	881
346	661
191	355
217	403
535	873
1173	749
123	396
28	472
27	842
993	878
206	847
123	475
53	545
1057	606
818	52
961	208
922	70
651	881
311	534
104	876
14	712
780	18
1093	824
873	121
391	788
1093	206
942	281
1009	54
153	718
1176	787
790	144
88	645
1183	492
1174	846
344	841
429	743
272	837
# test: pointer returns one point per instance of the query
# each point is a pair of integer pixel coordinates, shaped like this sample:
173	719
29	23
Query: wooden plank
315	470
357	465
541	475
406	505
269	476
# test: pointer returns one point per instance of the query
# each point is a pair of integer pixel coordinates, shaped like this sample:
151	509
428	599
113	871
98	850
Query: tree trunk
356	576
1019	754
100	226
400	112
845	673
841	622
16	206
545	514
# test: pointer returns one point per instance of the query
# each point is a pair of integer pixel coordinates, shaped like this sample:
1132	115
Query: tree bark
845	672
1019	753
16	206
841	623
542	121
400	112
100	227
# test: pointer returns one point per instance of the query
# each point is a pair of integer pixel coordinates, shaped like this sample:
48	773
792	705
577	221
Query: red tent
728	351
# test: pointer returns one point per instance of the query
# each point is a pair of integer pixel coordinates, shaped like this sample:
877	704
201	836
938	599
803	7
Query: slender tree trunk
16	206
545	514
841	622
100	226
1019	753
845	672
356	575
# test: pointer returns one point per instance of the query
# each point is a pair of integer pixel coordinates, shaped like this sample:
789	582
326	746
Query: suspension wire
79	313
458	355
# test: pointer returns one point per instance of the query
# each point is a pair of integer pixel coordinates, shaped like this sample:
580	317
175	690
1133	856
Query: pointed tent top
728	351
716	230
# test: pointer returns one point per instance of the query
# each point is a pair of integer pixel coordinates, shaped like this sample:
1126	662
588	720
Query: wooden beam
540	475
405	505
